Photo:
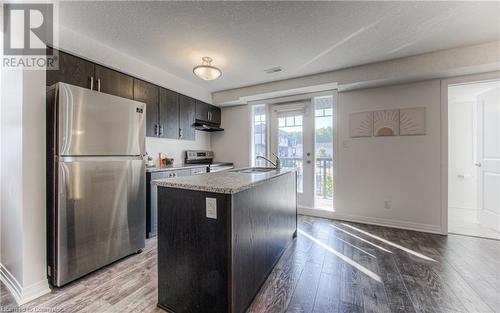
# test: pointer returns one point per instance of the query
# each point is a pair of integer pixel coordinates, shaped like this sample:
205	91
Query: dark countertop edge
223	191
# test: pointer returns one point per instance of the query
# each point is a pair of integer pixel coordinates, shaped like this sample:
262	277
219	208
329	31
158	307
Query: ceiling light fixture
206	71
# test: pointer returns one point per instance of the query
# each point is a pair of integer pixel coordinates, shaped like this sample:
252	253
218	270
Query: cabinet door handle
161	130
210	116
156	129
180	132
91	82
99	84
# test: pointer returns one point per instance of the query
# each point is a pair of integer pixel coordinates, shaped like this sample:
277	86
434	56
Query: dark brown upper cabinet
202	111
187	112
169	114
149	94
215	114
72	70
113	82
207	113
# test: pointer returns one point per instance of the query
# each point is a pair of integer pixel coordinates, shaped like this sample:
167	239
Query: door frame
445	83
336	160
298	98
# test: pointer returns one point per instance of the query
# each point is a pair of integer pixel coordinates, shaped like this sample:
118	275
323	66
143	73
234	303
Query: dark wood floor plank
351	295
305	293
324	270
328	296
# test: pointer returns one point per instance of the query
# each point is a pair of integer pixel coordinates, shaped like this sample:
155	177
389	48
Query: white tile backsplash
174	148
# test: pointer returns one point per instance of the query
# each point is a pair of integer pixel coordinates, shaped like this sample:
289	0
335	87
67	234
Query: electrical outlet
211	208
387	204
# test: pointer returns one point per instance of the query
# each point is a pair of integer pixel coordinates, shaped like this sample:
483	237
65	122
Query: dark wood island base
208	264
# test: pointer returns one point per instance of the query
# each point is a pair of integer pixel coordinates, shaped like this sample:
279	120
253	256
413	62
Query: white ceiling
245	38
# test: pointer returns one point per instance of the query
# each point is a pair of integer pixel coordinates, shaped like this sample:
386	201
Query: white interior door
488	158
292	139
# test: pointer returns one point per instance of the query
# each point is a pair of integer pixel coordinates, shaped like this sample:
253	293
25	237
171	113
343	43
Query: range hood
206	126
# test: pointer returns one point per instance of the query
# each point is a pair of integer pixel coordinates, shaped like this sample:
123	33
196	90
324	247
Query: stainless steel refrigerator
95	180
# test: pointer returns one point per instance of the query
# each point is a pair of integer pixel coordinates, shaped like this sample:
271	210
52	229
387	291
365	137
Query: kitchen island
220	235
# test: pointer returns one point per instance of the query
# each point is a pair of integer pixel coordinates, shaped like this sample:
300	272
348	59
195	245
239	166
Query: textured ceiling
245	38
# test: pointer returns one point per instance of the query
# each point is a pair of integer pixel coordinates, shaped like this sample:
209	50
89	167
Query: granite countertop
174	167
228	182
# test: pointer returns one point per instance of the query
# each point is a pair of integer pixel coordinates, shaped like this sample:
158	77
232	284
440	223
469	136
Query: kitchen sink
254	170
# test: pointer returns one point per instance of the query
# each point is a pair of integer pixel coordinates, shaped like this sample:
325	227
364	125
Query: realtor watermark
28	30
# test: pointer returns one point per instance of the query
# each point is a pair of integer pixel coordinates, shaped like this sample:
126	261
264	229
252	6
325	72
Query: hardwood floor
332	267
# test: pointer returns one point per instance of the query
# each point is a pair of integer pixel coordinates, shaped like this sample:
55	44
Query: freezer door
95	123
100	213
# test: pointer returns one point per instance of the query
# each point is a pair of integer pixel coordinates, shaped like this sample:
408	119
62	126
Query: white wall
233	144
175	148
462	183
11	254
404	170
23	245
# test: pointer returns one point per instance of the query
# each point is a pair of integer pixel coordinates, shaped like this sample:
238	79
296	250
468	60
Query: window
259	134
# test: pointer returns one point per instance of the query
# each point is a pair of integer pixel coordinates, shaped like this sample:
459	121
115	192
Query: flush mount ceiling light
206	71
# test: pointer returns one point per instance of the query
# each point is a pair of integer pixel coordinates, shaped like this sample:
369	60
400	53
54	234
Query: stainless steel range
206	157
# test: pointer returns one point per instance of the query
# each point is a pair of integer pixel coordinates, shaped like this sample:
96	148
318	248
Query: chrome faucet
277	165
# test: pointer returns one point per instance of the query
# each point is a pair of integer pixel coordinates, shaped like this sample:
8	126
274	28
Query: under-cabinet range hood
208	127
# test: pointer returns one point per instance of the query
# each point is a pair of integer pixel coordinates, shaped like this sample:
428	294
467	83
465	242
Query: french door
301	134
292	140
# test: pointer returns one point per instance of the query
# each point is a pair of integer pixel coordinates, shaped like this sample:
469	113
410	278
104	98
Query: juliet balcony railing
323	174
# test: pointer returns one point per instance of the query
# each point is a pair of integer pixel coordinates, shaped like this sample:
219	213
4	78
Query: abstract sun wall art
361	124
412	121
386	123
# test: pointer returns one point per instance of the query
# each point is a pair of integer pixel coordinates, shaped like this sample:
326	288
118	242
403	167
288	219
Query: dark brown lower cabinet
217	265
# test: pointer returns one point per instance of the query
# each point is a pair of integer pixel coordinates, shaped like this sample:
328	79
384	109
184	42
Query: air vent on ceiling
273	70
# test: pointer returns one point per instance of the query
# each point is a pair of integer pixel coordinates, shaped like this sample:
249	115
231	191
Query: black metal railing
323	174
324	177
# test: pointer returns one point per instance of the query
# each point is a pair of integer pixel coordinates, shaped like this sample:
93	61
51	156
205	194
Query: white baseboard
426	228
489	219
21	294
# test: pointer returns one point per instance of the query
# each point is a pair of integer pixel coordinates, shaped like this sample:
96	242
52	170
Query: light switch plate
211	208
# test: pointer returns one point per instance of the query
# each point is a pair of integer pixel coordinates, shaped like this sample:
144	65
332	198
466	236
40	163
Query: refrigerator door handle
98	158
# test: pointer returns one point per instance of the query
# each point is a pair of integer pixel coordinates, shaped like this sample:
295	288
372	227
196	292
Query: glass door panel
292	139
323	148
290	146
